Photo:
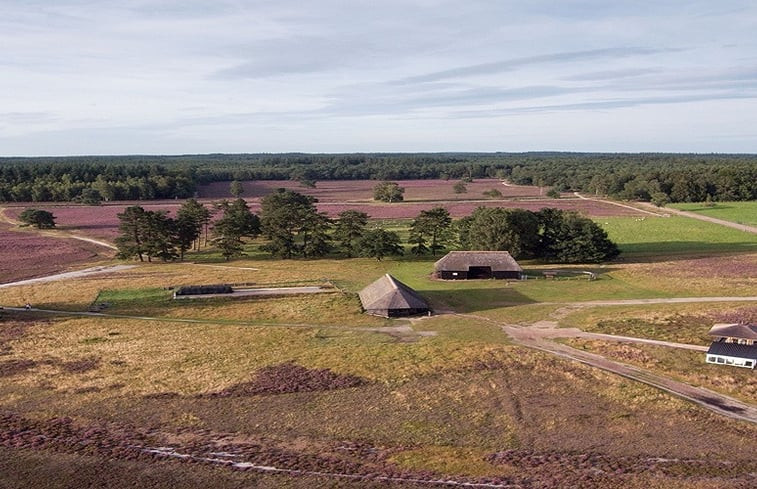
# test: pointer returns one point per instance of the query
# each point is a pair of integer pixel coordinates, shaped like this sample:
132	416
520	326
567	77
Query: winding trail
625	206
58	233
67	275
714	220
540	334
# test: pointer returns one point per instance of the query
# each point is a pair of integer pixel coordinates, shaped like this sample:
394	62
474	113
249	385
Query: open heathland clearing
101	222
362	190
306	391
25	254
739	212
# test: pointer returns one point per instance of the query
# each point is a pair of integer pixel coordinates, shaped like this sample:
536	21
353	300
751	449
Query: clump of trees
430	231
293	227
153	234
388	192
550	234
236	223
38	218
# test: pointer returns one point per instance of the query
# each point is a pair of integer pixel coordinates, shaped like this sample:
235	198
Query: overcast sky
201	76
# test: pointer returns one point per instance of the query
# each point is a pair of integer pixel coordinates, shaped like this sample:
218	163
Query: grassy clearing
685	365
656	236
740	212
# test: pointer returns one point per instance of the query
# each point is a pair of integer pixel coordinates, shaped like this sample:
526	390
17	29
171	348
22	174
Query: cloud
514	63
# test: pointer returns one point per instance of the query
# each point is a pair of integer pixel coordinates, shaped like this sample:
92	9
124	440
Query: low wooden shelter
465	265
388	297
734	344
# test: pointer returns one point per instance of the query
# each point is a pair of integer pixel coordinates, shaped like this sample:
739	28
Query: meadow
740	212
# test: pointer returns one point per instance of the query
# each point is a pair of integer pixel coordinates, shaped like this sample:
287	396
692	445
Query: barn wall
447	275
506	275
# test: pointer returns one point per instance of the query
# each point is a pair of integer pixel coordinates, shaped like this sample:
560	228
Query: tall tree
378	243
190	219
350	227
236	189
293	225
568	237
498	229
131	224
159	237
388	192
431	227
237	222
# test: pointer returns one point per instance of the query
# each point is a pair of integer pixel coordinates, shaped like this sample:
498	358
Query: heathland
306	391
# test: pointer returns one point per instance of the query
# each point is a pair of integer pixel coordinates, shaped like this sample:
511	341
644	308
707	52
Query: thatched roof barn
735	344
388	297
462	265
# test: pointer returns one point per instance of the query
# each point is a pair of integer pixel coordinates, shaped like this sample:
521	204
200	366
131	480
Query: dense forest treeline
659	178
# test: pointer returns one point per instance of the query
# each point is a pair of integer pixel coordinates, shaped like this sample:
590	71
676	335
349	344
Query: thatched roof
499	261
389	293
744	331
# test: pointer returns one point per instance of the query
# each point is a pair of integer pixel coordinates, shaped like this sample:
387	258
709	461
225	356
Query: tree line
654	177
292	227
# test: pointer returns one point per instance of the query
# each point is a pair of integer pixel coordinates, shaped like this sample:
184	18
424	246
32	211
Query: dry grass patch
685	365
152	357
681	323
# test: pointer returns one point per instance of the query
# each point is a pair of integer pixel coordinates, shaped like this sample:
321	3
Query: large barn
388	297
464	265
735	344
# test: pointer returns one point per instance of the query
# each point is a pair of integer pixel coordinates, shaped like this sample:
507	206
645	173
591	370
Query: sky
327	76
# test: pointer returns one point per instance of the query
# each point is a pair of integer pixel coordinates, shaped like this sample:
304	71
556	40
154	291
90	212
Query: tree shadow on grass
468	299
682	250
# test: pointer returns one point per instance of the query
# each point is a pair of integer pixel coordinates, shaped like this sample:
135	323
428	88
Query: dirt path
57	233
714	220
539	335
618	204
67	275
719	403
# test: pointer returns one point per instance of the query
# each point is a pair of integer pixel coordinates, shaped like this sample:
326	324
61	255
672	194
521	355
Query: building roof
389	293
733	350
744	331
499	261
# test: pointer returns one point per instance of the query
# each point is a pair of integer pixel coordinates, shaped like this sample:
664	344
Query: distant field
334	197
654	236
362	190
740	212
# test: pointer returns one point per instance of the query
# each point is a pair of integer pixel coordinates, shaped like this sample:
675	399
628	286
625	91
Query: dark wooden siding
448	275
396	313
454	275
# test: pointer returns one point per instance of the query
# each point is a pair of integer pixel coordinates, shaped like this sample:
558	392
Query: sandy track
540	334
68	275
57	233
714	220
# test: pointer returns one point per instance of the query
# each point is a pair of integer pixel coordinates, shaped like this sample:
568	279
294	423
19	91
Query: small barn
466	265
388	297
734	344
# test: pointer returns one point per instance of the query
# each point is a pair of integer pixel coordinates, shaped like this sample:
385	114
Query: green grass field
740	212
675	235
